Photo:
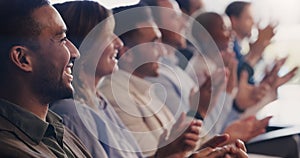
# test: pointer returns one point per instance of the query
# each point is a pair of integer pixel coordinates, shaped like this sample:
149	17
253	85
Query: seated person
36	62
142	114
177	85
189	7
245	128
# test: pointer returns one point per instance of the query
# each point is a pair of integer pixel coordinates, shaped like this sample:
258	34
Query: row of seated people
122	115
142	127
132	70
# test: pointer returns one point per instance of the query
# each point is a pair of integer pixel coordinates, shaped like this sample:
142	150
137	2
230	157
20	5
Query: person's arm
213	148
276	81
183	139
247	128
257	48
249	95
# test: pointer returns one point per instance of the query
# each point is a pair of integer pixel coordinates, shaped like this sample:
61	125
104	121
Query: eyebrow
61	32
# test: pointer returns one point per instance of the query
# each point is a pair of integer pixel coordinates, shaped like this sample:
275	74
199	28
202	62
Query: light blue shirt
173	86
101	129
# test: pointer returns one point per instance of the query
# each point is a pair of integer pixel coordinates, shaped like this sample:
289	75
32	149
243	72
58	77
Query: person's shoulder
64	106
13	147
75	144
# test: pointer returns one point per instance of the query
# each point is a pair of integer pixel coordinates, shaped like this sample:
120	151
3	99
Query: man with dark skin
36	69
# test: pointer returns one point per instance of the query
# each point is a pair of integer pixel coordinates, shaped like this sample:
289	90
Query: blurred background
284	13
286	42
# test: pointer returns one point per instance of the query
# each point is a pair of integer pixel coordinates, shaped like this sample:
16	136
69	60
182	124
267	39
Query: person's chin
67	90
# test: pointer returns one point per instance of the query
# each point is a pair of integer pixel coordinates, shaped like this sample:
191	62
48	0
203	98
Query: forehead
218	25
170	4
148	31
247	11
49	19
217	22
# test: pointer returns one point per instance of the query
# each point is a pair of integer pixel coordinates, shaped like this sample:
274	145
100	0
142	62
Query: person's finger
273	75
205	152
238	153
234	151
287	77
241	154
195	127
259	127
277	67
216	141
264	122
189	144
197	123
218	152
240	144
191	136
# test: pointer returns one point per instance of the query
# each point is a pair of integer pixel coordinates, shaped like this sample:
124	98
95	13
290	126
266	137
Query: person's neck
27	101
89	79
239	37
130	69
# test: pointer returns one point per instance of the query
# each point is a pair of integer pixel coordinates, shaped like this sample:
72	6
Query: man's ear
19	55
125	54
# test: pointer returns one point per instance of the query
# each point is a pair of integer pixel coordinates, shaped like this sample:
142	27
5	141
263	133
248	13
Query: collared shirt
177	86
242	64
101	131
22	134
139	109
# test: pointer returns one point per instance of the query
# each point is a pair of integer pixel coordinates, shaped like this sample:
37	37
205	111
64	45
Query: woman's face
111	44
221	33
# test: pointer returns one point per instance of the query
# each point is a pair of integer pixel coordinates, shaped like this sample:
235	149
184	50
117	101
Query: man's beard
50	88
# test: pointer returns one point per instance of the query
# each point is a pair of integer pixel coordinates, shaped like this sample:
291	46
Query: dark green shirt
22	134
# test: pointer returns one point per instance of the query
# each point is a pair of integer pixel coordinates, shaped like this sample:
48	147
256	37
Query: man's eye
64	40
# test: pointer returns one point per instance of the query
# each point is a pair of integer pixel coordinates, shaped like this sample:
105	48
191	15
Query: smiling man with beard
36	61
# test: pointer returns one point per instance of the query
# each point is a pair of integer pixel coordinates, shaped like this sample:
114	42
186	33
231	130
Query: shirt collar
56	122
139	84
26	121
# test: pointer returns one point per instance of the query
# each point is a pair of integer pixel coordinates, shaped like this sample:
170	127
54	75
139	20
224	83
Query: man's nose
74	53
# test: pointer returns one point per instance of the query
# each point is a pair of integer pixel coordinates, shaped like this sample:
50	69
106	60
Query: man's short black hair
184	5
17	27
236	8
134	15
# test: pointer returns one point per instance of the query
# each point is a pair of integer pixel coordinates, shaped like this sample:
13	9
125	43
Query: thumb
216	141
163	137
